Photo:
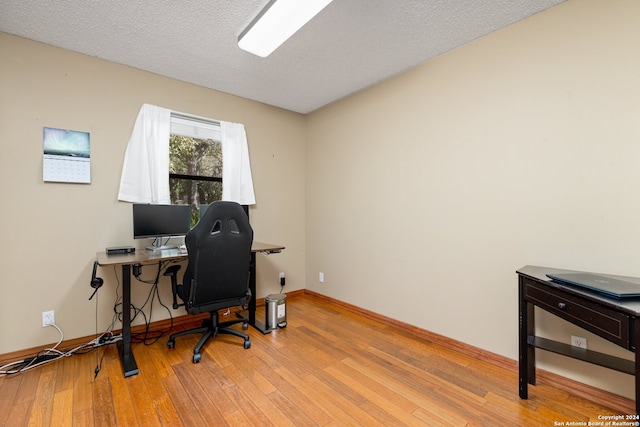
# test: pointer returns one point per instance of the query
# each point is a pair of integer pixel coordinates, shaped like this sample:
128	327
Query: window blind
195	127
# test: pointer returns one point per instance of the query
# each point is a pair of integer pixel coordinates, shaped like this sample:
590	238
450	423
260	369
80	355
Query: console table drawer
602	321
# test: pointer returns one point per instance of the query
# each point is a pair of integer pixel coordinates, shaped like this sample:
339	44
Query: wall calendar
66	156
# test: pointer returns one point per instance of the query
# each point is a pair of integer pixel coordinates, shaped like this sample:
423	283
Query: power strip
41	358
107	340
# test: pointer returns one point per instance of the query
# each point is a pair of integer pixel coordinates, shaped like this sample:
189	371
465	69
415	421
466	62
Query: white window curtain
237	184
145	173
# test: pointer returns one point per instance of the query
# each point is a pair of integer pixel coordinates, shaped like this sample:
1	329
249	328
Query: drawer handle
561	305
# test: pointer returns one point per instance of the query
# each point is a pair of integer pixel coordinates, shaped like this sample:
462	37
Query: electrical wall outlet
48	318
579	342
281	278
321	277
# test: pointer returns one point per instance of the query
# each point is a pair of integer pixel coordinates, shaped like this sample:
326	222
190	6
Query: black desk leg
531	350
636	339
523	350
252	302
129	365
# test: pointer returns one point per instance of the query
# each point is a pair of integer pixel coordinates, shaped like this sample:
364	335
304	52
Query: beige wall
417	198
51	232
428	191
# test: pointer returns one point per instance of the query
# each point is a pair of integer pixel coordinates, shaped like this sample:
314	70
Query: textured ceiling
350	45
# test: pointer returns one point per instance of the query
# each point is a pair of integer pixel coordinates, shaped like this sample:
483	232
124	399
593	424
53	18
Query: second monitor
160	221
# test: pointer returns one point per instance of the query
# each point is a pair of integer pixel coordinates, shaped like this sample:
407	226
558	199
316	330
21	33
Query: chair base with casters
210	329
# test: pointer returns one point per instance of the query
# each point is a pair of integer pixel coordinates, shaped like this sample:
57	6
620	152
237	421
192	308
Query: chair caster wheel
171	344
247	344
245	326
196	358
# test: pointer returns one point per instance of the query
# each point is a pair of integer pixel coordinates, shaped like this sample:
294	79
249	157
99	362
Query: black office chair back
219	249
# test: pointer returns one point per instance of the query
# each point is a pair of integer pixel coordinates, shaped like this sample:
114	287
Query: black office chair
217	275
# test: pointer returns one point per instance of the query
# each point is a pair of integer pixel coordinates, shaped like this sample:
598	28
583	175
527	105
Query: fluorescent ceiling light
278	21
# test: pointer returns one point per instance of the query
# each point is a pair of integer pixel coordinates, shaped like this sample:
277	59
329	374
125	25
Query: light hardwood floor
328	367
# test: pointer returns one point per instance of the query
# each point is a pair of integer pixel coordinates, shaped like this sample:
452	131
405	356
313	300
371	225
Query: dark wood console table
616	320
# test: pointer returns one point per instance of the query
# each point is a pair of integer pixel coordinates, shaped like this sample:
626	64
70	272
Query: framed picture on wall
67	156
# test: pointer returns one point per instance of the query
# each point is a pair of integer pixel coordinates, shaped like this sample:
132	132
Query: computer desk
127	359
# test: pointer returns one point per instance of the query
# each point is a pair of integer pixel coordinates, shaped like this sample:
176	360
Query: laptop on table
609	286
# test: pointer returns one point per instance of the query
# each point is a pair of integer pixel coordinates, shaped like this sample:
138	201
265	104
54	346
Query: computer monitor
160	221
201	210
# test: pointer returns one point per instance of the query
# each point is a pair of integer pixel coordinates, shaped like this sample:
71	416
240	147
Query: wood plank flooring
328	367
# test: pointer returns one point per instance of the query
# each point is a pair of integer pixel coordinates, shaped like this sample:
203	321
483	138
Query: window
195	163
149	147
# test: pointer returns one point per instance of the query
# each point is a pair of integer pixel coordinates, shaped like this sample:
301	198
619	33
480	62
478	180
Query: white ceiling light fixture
278	21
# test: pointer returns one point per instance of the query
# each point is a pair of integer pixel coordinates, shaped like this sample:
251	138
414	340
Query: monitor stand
160	248
157	246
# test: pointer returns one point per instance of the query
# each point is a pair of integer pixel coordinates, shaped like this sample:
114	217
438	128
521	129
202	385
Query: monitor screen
151	221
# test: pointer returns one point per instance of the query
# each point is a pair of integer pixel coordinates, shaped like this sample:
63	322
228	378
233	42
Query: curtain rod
192	117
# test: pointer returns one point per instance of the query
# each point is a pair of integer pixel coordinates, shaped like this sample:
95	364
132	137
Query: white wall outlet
579	342
48	318
321	277
280	275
